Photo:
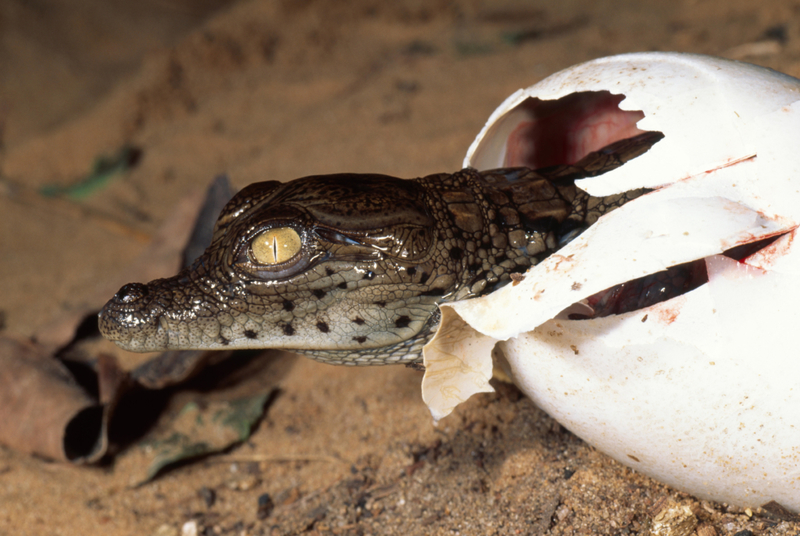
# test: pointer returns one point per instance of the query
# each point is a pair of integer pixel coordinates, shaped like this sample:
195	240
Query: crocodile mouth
659	287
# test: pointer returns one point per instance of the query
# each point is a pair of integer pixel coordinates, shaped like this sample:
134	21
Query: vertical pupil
275	246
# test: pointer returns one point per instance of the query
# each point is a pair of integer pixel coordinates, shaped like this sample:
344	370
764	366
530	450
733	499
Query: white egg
701	391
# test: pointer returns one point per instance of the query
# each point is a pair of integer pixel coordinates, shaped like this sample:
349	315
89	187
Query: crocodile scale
374	256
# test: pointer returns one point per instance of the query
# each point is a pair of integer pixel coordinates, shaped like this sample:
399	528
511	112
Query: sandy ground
278	90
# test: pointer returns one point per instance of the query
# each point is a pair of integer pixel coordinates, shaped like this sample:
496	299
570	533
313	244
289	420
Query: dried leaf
44	411
197	430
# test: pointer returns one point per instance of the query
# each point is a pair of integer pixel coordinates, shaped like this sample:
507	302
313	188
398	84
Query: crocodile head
342	267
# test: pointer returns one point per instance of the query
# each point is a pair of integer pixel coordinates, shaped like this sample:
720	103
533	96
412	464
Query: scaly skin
376	256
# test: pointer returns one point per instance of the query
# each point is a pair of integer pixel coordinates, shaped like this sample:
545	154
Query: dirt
278	90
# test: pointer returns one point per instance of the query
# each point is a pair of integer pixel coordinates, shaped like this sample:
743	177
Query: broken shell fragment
700	391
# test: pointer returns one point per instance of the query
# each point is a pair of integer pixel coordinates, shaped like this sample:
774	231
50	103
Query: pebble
674	519
265	506
208	495
189	528
706	530
166	530
244	483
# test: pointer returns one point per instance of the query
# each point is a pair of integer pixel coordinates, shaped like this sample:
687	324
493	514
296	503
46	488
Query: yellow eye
276	245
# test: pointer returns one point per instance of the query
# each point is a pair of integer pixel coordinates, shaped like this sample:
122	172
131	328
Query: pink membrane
565	130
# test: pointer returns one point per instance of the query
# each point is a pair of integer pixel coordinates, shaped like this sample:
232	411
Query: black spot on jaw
250	334
456	253
380	303
287	305
358	320
434	292
318	293
360	340
323	327
288	330
343	285
329	271
411	271
369	276
402	322
223	341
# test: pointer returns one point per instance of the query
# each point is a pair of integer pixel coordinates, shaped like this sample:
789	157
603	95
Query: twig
280	459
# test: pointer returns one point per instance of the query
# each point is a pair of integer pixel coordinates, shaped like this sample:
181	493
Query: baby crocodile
350	269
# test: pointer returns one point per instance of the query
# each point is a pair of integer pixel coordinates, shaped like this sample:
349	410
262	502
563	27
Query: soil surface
279	89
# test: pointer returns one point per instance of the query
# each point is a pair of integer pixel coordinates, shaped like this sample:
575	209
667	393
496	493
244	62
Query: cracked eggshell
702	391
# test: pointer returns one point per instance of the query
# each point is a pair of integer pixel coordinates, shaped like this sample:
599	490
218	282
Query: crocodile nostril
131	293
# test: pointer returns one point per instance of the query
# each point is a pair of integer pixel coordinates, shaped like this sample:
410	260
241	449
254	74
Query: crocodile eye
275	246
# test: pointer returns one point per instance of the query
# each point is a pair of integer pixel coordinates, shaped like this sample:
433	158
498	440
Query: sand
275	90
